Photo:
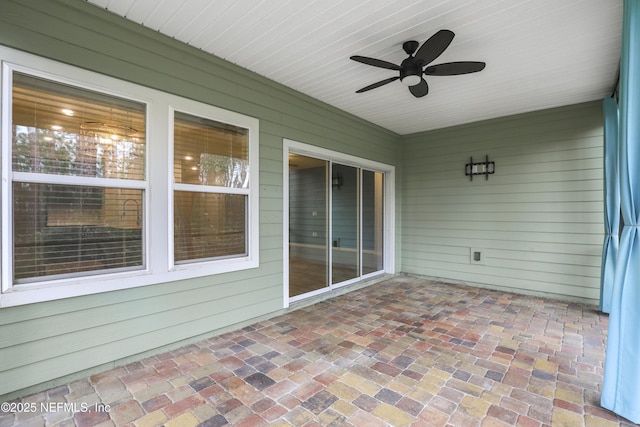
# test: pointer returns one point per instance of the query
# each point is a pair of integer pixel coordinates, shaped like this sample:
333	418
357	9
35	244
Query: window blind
68	146
209	222
64	130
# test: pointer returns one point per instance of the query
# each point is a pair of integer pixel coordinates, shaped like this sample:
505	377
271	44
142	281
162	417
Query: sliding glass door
336	225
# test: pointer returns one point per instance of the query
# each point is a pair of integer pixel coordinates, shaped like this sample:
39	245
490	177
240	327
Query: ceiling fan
412	68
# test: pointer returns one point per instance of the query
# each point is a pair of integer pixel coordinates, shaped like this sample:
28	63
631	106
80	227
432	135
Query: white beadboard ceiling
539	53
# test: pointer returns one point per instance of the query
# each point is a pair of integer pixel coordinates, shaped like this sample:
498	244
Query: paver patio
403	352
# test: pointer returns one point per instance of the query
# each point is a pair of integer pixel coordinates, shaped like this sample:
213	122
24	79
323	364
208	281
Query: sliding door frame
296	147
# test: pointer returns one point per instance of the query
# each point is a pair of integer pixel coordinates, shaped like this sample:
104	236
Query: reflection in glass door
335	222
308	219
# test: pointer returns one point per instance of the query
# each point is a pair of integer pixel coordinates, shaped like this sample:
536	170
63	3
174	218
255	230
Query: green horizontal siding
538	220
44	341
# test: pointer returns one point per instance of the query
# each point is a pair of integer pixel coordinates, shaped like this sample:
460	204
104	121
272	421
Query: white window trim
158	186
296	147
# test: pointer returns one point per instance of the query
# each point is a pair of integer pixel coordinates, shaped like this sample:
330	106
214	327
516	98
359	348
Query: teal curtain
611	202
621	383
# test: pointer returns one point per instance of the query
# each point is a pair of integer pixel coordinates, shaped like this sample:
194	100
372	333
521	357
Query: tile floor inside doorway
402	352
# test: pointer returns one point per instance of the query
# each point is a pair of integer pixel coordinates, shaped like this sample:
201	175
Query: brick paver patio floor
403	352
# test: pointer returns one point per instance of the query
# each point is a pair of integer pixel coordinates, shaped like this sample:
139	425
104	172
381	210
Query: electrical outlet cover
476	256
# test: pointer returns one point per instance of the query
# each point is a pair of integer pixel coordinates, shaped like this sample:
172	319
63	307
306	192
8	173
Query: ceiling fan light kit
411	76
412	68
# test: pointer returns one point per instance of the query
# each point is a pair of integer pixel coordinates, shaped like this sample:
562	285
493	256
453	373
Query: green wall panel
537	221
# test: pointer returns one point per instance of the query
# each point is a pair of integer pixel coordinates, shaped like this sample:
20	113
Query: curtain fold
611	202
621	384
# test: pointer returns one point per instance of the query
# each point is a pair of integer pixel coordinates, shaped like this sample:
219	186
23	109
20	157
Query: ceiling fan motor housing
410	72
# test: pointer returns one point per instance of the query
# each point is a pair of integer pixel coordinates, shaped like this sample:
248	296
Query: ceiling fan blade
420	90
454	68
434	47
375	62
378	84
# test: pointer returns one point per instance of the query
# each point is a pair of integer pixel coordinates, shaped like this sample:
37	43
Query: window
104	180
211	173
78	181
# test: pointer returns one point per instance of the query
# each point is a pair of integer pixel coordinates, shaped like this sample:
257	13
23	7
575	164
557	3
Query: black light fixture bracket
337	181
485	168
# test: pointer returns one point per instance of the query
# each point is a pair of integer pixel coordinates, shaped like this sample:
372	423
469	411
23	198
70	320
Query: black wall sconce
485	168
336	181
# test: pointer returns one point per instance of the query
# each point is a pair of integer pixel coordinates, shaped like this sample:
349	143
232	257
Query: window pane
65	130
74	230
209	225
207	152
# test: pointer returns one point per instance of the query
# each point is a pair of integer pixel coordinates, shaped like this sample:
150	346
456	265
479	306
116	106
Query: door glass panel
308	225
372	222
345	227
